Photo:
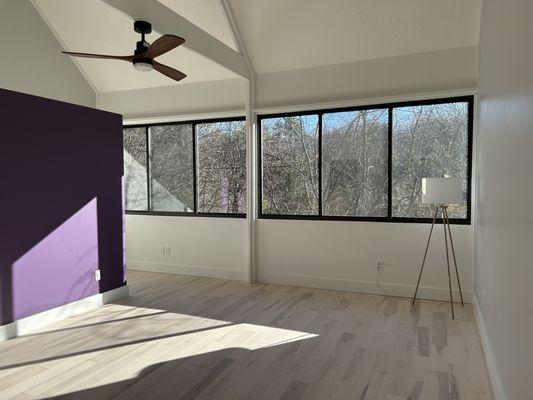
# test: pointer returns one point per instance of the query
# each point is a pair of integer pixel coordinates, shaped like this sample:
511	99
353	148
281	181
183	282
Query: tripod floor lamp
442	192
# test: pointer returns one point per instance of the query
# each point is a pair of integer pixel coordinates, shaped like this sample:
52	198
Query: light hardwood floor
181	337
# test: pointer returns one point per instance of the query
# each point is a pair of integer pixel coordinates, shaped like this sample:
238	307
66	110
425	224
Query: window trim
195	213
469	99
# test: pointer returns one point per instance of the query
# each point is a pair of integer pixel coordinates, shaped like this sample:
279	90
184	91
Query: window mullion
195	169
389	165
320	164
148	178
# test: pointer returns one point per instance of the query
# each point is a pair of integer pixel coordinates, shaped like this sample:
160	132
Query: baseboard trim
349	285
490	360
192	270
29	324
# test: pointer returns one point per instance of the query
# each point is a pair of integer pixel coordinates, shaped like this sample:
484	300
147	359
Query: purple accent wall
61	207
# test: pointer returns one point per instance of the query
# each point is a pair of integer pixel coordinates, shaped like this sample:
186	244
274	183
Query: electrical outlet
483	298
97	275
379	265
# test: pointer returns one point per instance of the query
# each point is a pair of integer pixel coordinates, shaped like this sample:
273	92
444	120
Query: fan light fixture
143	66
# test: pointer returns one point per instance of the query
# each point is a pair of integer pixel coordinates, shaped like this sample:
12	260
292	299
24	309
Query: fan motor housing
142	46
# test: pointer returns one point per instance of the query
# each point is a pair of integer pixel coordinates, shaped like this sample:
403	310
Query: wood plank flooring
180	337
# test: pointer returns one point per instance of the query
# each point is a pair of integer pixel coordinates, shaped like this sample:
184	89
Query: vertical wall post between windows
251	181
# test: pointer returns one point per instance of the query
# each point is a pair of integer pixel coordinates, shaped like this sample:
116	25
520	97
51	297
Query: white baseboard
193	270
29	324
490	360
382	288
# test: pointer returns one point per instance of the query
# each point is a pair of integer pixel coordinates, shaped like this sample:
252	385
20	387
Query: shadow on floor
220	373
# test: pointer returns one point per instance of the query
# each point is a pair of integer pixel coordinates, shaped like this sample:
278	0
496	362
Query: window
364	163
290	165
428	141
135	162
171	168
222	167
354	163
194	168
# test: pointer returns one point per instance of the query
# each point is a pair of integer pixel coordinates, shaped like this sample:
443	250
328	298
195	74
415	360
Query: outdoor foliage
135	184
354	158
427	141
222	167
171	168
290	165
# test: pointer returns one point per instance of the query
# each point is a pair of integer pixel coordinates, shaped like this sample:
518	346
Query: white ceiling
294	34
278	34
92	26
205	14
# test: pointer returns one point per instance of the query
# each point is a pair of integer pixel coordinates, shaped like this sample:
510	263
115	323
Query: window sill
184	214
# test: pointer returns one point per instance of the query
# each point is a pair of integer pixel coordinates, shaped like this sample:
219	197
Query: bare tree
222	167
135	184
428	141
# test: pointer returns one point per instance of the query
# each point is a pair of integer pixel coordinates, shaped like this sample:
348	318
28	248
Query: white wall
198	246
343	255
31	60
215	96
326	254
504	231
416	73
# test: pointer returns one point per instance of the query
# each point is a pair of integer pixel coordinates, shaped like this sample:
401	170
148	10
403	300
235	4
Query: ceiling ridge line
237	37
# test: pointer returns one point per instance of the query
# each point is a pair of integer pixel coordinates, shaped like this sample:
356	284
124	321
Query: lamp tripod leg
447	257
425	254
454	260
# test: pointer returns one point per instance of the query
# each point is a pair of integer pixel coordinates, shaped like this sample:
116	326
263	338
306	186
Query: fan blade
162	45
104	56
168	71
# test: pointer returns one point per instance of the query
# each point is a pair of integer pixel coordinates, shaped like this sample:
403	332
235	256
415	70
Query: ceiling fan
143	57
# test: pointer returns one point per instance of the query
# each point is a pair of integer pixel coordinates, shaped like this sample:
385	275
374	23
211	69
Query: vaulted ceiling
278	34
294	34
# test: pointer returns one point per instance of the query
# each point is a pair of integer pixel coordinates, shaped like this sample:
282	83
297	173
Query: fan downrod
144	28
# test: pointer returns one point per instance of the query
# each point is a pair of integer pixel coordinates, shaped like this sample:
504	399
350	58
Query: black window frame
469	99
195	212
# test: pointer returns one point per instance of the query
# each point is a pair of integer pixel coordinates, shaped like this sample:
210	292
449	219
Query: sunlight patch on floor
126	340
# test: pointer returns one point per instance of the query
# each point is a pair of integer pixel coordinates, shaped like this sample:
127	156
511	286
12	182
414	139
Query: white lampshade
442	191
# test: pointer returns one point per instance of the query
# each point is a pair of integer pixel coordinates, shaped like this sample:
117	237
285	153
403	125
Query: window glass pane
221	167
354	163
428	141
135	184
171	168
290	165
